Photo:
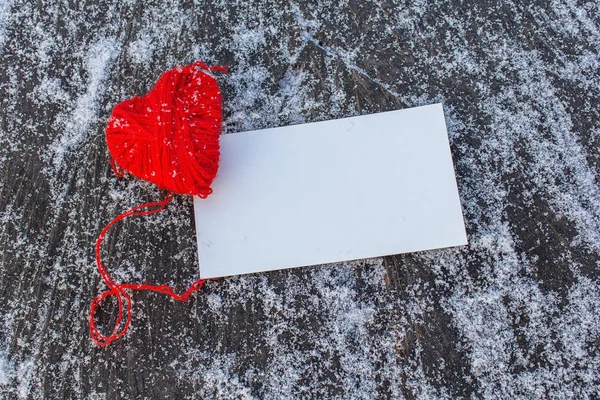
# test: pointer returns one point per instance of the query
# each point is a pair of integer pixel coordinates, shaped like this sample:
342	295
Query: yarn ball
170	136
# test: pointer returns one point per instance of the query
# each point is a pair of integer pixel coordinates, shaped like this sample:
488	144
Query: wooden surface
512	315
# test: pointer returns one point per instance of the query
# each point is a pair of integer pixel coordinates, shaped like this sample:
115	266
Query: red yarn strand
118	290
117	171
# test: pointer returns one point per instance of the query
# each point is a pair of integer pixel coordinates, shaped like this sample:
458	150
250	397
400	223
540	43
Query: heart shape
170	136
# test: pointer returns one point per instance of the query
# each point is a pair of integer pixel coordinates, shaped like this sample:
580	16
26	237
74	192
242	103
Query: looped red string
169	136
118	290
214	68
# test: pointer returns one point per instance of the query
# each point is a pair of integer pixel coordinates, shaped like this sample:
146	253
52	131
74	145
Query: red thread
170	137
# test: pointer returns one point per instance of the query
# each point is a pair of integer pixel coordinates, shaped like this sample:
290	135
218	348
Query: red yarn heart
170	136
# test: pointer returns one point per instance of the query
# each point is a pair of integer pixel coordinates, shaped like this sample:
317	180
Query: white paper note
330	191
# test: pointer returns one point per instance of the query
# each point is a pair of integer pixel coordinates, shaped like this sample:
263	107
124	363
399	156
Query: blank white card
330	191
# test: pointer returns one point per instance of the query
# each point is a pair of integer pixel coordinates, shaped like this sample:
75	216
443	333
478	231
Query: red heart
170	136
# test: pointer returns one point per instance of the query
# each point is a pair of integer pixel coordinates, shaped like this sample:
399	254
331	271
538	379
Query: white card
330	191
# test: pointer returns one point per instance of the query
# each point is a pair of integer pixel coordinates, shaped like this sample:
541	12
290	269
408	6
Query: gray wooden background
516	314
